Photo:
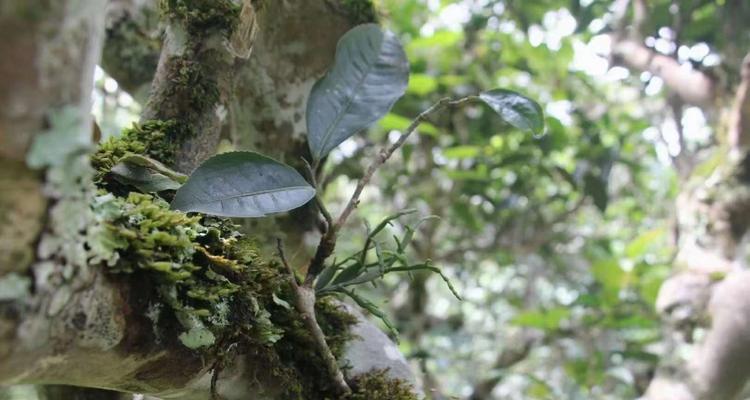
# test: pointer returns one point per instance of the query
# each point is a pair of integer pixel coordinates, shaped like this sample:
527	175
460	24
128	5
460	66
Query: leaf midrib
260	193
349	102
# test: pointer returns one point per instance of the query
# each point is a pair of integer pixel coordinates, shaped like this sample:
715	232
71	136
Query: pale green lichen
71	239
14	287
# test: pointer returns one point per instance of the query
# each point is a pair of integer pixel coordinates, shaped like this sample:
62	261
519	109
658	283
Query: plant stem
305	293
328	240
304	302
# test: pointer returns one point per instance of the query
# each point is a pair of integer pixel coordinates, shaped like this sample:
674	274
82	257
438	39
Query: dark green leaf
243	184
369	74
516	109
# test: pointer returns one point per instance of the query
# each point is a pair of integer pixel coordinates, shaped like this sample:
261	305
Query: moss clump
360	11
186	256
203	17
298	349
378	385
204	284
154	139
192	83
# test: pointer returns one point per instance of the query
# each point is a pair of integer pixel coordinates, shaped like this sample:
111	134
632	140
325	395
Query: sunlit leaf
461	152
516	109
422	84
546	320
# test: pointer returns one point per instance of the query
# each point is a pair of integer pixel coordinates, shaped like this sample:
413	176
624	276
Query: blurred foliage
564	237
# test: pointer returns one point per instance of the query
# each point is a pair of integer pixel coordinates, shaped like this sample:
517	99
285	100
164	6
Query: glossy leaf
369	74
243	184
516	109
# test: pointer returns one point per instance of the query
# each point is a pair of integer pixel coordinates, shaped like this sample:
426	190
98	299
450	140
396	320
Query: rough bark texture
192	81
711	285
83	325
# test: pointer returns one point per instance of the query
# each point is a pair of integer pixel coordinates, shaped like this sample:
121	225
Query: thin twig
292	274
304	303
386	153
318	200
328	240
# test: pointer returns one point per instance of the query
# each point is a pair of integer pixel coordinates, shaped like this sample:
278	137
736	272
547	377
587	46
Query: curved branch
692	86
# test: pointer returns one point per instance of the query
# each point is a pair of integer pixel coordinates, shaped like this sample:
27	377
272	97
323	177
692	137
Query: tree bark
64	320
711	285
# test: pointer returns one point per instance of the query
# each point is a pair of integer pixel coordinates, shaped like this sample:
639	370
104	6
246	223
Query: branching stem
328	240
305	293
304	302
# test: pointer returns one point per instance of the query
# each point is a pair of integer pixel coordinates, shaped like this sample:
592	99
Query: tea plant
370	73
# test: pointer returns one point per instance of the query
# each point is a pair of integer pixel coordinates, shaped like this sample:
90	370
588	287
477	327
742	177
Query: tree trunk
65	318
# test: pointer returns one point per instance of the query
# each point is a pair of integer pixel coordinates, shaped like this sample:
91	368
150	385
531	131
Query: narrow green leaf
369	74
243	184
427	267
349	273
373	309
387	221
325	277
516	109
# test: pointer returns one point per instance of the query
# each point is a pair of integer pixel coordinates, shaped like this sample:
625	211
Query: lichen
197	263
208	278
377	385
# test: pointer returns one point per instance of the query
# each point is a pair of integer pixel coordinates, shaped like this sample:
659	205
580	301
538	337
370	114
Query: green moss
154	139
193	83
378	385
298	349
360	11
203	17
206	279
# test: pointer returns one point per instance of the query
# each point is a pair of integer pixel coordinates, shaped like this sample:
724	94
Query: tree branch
739	117
692	86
